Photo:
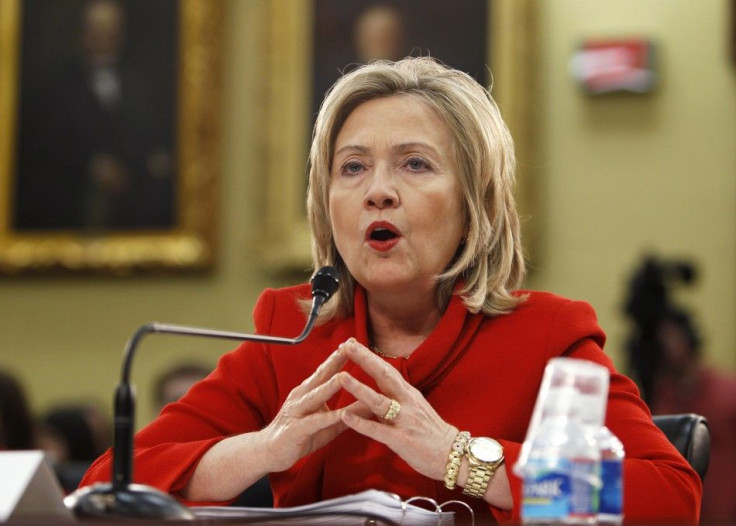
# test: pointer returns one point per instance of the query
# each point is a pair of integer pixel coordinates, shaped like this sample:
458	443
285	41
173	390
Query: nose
381	192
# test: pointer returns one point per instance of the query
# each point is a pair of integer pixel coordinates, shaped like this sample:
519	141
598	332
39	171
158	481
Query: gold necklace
379	352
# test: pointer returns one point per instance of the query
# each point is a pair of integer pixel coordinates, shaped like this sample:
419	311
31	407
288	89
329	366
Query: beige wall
618	175
628	175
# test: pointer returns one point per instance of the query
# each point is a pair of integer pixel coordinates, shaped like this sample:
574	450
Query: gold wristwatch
484	455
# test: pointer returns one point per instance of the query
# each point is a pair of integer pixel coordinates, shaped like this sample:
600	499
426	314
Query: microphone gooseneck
122	498
324	284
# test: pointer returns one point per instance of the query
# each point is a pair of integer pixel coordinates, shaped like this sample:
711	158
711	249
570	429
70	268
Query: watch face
485	449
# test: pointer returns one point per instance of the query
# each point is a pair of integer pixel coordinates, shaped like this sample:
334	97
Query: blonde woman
423	373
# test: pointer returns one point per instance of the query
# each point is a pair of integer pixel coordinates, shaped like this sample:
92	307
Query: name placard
28	487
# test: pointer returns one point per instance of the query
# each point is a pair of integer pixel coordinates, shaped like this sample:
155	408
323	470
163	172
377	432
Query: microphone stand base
135	500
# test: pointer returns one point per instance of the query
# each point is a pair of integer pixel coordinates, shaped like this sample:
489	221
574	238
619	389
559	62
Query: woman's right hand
303	424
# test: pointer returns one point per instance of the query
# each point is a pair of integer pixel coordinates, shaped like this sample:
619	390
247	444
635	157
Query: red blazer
479	373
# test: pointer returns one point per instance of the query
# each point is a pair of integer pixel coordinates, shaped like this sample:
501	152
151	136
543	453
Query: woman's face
395	201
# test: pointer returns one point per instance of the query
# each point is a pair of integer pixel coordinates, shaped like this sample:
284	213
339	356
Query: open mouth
382	234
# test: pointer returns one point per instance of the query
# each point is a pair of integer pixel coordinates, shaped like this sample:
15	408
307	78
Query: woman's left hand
417	433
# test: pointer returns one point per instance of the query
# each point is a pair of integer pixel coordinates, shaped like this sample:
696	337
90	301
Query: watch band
478	478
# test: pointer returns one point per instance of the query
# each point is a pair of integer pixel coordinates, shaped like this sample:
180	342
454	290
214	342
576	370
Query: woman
410	198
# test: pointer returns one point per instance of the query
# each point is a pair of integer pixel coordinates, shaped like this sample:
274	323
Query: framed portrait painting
108	134
314	42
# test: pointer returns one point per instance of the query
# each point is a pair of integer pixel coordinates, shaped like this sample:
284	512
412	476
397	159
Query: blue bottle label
583	490
611	494
546	493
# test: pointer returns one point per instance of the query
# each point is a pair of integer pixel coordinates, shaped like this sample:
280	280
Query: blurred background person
666	358
16	422
73	435
174	383
683	383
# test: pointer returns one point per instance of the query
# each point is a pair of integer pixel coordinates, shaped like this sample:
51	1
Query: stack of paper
380	506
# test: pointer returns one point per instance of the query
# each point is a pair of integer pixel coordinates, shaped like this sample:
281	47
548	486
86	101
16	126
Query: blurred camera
647	302
649	289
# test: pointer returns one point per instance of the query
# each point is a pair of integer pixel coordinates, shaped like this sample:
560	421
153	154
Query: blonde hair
491	262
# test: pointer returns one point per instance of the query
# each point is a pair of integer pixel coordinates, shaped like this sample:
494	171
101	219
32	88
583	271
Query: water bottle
560	460
591	409
560	470
610	499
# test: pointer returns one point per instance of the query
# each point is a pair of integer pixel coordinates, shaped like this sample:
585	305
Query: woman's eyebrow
413	146
399	148
351	148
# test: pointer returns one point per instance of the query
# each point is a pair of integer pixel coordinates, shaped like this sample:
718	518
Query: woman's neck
399	324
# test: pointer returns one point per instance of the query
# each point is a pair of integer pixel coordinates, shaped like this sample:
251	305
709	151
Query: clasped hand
305	423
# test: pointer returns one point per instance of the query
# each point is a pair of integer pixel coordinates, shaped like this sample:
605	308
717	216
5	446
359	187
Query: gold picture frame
287	240
188	242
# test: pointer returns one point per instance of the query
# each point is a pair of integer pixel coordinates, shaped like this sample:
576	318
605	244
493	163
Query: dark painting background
62	127
455	32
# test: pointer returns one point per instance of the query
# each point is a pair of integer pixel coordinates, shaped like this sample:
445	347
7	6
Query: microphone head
325	282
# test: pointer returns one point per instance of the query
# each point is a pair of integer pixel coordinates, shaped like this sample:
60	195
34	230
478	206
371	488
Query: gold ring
393	410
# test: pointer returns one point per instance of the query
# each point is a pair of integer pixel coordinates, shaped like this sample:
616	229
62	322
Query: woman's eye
351	168
417	164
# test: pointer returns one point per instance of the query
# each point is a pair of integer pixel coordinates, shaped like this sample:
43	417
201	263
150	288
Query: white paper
349	510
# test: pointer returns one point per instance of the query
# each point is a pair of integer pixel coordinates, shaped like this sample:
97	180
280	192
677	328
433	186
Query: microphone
123	498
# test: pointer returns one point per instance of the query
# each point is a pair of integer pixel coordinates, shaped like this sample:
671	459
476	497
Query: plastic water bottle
561	466
610	499
592	409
